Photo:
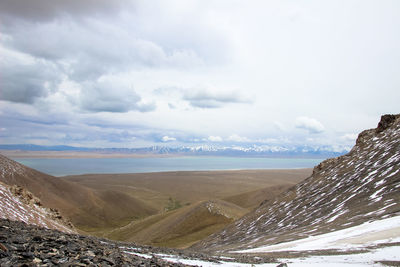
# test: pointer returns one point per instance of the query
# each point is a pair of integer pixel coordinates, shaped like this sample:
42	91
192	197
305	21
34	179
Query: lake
62	167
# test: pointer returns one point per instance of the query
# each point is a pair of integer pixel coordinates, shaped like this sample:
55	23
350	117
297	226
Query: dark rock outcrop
386	121
27	245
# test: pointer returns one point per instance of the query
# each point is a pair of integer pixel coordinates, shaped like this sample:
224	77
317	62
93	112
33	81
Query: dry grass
155	189
252	199
181	228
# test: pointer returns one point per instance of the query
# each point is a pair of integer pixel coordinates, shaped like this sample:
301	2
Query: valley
127	207
343	212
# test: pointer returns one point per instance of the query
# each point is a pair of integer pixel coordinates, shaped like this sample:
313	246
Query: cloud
351	137
309	124
237	138
228	45
167	138
24	79
214	138
171	106
106	96
42	10
86	52
213	99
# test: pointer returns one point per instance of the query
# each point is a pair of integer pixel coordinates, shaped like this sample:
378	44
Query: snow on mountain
347	213
240	150
20	205
365	241
80	204
385	254
368	234
342	192
9	169
203	149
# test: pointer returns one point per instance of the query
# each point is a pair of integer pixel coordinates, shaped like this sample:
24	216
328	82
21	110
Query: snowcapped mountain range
203	150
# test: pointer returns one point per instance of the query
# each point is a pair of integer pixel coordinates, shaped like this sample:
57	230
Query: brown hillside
88	209
18	204
180	228
193	186
253	199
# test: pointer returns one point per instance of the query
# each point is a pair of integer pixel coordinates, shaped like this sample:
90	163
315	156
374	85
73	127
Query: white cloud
279	126
167	138
213	98
214	138
309	124
237	138
351	137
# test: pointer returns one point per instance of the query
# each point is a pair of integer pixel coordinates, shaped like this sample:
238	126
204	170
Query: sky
99	73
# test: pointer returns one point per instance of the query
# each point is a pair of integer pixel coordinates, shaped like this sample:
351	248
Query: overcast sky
137	73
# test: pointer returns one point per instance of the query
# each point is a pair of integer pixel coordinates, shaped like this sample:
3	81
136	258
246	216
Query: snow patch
366	234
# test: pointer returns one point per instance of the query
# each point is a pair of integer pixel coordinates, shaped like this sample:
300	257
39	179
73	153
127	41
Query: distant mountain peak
244	150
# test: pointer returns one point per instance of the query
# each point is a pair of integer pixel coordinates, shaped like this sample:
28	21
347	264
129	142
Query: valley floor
180	202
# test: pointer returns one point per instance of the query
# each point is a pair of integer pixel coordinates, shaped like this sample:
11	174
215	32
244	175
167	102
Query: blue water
61	167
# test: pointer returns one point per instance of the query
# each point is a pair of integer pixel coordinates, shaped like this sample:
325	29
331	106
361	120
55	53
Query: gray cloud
91	49
24	82
208	99
109	97
42	10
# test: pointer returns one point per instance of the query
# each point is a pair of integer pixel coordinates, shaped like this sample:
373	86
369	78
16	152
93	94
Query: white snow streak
369	233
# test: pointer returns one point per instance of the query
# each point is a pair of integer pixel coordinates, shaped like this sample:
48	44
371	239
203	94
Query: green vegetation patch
173	204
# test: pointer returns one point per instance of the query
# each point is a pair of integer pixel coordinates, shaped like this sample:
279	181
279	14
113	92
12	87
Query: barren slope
253	199
342	192
88	209
193	186
20	205
183	227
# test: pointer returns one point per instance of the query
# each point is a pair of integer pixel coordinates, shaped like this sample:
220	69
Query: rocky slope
360	186
28	245
21	205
